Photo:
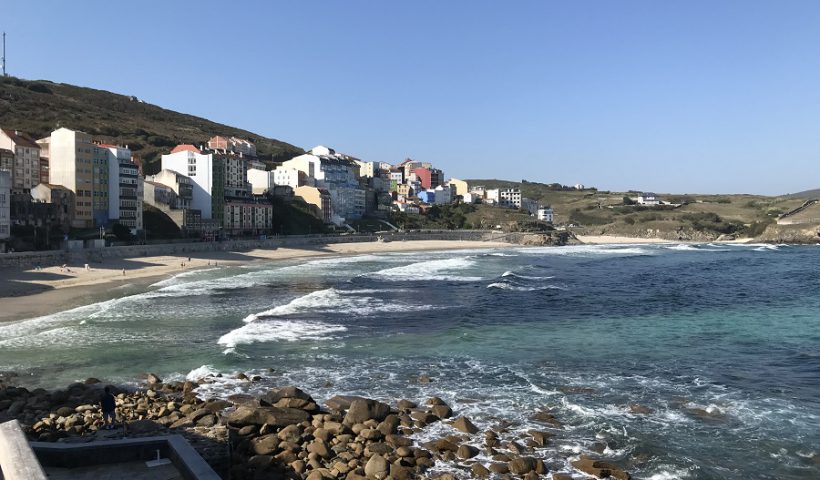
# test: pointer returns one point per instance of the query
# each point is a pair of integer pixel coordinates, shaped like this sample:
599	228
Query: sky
695	96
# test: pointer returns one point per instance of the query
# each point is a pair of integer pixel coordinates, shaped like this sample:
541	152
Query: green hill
692	217
39	107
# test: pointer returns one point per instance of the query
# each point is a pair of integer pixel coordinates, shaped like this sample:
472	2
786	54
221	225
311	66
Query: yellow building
319	198
82	167
460	186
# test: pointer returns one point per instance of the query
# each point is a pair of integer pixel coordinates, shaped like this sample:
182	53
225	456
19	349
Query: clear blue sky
670	96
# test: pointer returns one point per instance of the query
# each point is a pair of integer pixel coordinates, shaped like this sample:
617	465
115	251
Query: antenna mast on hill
4	54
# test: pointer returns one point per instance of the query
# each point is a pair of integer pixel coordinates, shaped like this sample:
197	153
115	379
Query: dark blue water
676	361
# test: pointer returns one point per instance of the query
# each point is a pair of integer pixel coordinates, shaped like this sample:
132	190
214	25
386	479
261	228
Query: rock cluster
285	433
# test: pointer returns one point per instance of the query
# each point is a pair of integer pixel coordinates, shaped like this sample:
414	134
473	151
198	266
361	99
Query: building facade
25	170
125	188
238	146
545	214
182	186
62	199
5	208
76	163
319	198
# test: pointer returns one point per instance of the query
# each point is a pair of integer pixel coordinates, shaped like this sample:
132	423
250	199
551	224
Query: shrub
39	88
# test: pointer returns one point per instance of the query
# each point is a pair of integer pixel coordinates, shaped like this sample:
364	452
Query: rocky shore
285	433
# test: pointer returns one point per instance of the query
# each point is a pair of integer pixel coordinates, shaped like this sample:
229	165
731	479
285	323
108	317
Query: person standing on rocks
109	406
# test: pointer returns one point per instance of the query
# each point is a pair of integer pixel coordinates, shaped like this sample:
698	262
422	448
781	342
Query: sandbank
32	292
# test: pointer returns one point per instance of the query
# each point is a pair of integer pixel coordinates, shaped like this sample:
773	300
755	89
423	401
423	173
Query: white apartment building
199	167
509	197
261	180
25	166
125	188
289	177
217	178
76	163
338	175
235	145
545	214
5	206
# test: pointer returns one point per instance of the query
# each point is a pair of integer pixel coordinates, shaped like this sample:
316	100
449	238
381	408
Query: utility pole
4	55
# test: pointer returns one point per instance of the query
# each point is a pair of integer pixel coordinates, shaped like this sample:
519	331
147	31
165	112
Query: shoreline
30	293
622	240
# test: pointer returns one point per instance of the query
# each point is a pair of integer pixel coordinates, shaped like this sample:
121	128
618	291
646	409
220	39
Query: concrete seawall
93	255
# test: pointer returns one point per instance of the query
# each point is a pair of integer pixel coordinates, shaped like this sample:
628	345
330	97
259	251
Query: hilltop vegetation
39	107
695	217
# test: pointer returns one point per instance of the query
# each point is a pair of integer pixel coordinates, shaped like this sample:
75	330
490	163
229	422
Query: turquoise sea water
719	344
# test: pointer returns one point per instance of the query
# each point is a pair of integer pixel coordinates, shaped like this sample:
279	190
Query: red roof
185	147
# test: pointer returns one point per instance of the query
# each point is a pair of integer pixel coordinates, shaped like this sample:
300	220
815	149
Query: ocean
674	361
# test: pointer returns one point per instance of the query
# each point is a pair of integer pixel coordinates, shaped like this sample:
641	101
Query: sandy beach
30	293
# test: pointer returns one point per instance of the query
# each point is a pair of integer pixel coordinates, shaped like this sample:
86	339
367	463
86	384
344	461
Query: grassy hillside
699	217
38	107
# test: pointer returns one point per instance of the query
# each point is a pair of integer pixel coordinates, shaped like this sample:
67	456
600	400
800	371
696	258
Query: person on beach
109	406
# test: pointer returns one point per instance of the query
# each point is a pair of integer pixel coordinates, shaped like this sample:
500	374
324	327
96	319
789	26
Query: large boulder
265	445
377	467
275	395
273	416
341	403
363	410
600	469
465	425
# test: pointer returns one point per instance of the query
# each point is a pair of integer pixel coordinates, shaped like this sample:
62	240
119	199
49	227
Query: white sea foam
443	269
668	472
355	302
589	250
510	273
270	330
520	288
181	276
202	372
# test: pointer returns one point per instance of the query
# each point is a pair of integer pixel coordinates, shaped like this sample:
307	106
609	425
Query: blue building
427	196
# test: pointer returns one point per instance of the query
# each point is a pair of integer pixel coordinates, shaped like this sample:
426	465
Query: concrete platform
122	459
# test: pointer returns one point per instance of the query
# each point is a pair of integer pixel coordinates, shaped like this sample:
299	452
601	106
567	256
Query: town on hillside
68	191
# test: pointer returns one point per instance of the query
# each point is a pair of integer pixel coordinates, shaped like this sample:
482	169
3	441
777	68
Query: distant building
427	196
545	214
25	170
76	163
62	200
290	177
238	146
218	178
336	174
530	205
261	180
125	188
429	177
648	198
509	197
5	208
444	195
160	195
460	187
182	186
248	216
579	186
319	198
